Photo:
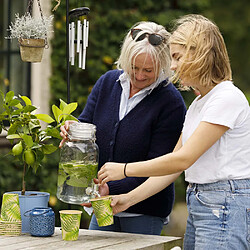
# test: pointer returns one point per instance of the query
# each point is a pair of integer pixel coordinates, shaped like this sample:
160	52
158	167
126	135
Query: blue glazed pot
42	221
30	200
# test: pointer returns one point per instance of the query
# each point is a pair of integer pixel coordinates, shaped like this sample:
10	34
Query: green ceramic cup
10	209
103	210
70	223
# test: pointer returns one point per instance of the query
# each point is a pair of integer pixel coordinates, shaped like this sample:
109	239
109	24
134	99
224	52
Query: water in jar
74	178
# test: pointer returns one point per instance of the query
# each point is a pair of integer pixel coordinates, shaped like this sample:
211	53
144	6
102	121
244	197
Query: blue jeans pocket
212	199
248	224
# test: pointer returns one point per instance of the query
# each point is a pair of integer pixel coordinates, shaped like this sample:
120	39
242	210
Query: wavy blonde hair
206	58
159	54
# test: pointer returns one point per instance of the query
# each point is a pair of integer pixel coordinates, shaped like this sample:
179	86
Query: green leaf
39	154
49	148
25	129
13	128
28	140
53	132
57	113
62	177
9	96
36	146
14	102
44	117
45	138
2	95
19	106
26	100
80	174
70	117
14	136
35	166
2	117
70	108
17	112
7	109
29	108
63	104
34	125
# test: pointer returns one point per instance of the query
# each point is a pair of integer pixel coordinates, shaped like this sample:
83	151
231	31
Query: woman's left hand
111	171
120	203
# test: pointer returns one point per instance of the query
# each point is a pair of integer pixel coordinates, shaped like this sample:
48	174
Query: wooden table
89	239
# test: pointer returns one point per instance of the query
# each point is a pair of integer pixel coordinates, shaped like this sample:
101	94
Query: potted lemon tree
30	140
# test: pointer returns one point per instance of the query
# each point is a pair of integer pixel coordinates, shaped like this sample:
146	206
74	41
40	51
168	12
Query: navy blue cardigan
149	130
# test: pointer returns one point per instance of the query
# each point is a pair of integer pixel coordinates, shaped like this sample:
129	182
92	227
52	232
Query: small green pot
103	210
70	223
10	210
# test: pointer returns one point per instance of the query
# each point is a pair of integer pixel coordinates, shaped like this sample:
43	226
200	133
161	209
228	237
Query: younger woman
213	149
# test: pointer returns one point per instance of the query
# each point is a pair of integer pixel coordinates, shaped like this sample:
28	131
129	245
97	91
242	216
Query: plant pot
30	200
31	49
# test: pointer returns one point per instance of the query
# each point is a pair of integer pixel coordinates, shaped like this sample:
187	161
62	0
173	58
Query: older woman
139	115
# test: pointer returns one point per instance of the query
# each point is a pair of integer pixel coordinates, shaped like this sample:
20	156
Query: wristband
124	170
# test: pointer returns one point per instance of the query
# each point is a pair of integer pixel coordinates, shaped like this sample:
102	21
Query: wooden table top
89	240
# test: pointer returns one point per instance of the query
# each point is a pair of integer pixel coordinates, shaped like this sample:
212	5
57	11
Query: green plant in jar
79	174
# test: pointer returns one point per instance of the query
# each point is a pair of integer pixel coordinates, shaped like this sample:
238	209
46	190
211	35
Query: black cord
124	170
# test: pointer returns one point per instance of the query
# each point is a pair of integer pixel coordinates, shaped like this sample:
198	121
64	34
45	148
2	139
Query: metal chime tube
72	43
78	43
79	34
87	34
69	42
84	43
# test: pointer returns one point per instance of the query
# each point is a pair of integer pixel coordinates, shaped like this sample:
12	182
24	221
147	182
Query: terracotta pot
31	49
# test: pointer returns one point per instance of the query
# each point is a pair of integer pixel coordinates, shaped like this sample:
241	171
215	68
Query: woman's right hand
64	132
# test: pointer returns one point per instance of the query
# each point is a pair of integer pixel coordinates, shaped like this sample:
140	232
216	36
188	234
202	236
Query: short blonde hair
206	58
159	54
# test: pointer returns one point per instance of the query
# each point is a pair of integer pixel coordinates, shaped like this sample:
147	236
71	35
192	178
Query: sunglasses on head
154	39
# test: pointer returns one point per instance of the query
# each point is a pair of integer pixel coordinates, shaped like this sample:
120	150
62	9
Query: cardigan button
111	143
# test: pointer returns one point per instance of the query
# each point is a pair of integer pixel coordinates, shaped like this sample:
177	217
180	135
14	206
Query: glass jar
78	165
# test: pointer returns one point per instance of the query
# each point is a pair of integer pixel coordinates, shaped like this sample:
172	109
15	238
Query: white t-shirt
229	157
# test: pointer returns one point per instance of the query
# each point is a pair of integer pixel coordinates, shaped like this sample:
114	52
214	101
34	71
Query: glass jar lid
82	131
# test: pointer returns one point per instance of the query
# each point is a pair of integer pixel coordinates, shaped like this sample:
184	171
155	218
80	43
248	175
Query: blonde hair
159	54
206	58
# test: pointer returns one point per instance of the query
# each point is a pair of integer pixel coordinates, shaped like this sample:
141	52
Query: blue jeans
143	224
219	216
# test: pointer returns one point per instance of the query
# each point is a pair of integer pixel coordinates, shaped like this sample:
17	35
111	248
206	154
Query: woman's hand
111	171
64	132
120	203
102	190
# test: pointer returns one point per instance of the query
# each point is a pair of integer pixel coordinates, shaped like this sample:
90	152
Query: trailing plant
27	27
25	131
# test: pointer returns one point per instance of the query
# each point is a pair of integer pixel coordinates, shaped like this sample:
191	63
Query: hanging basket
31	49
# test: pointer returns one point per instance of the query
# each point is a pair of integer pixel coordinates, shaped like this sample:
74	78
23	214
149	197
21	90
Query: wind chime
77	39
78	36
